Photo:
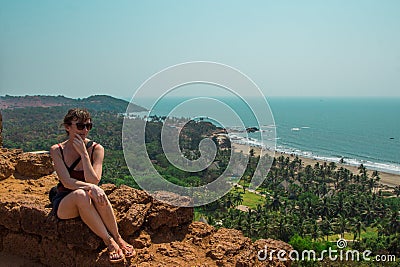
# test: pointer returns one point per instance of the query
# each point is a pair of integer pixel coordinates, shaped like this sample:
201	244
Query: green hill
92	103
34	122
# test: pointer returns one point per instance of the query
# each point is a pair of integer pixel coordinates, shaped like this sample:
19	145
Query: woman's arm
92	172
63	173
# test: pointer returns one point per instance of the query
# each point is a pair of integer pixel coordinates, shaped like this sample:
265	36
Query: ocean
358	130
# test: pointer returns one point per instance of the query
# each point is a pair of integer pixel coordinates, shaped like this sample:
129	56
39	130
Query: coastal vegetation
310	207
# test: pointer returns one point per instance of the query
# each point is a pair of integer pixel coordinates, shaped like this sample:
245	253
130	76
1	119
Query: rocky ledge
163	235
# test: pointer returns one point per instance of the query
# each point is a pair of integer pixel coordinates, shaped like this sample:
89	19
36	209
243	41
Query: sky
288	48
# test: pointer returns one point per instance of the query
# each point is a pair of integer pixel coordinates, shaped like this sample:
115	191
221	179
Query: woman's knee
72	203
103	205
81	196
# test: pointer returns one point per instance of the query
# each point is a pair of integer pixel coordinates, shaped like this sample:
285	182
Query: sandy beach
388	179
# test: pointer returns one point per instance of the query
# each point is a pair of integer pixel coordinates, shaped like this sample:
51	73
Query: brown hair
78	114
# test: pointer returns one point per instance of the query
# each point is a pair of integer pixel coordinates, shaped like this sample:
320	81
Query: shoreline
389	179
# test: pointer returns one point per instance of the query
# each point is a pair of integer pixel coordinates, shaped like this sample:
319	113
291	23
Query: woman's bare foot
128	250
115	253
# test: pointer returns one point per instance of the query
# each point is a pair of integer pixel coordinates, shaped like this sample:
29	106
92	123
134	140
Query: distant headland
95	102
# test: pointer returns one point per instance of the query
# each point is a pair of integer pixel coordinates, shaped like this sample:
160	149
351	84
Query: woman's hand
79	145
98	195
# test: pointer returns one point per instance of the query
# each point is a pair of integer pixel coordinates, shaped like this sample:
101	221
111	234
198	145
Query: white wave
269	126
384	167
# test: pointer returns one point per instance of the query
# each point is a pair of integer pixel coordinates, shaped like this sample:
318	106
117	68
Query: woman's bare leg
78	203
98	218
106	212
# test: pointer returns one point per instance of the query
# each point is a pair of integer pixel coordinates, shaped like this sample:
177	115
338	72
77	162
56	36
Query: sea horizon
362	130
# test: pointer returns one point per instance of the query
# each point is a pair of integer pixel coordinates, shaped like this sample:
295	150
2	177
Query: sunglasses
81	126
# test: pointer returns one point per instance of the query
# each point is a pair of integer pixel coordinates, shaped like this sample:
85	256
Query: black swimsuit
62	191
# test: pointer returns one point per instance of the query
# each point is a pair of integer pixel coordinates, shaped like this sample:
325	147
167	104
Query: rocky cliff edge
163	235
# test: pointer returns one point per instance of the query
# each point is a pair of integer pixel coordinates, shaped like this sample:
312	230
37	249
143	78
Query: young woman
78	163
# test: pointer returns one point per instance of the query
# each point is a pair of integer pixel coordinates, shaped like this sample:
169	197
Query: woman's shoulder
56	149
57	146
97	150
96	146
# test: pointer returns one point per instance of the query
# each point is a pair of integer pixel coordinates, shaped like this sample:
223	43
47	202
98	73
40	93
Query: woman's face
79	127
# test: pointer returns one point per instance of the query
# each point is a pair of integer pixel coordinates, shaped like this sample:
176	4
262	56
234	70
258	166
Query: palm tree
251	153
393	226
325	209
238	198
341	224
239	221
397	190
326	227
322	189
342	205
362	170
264	227
283	228
249	223
276	203
228	203
259	212
357	228
371	184
368	215
315	231
332	166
